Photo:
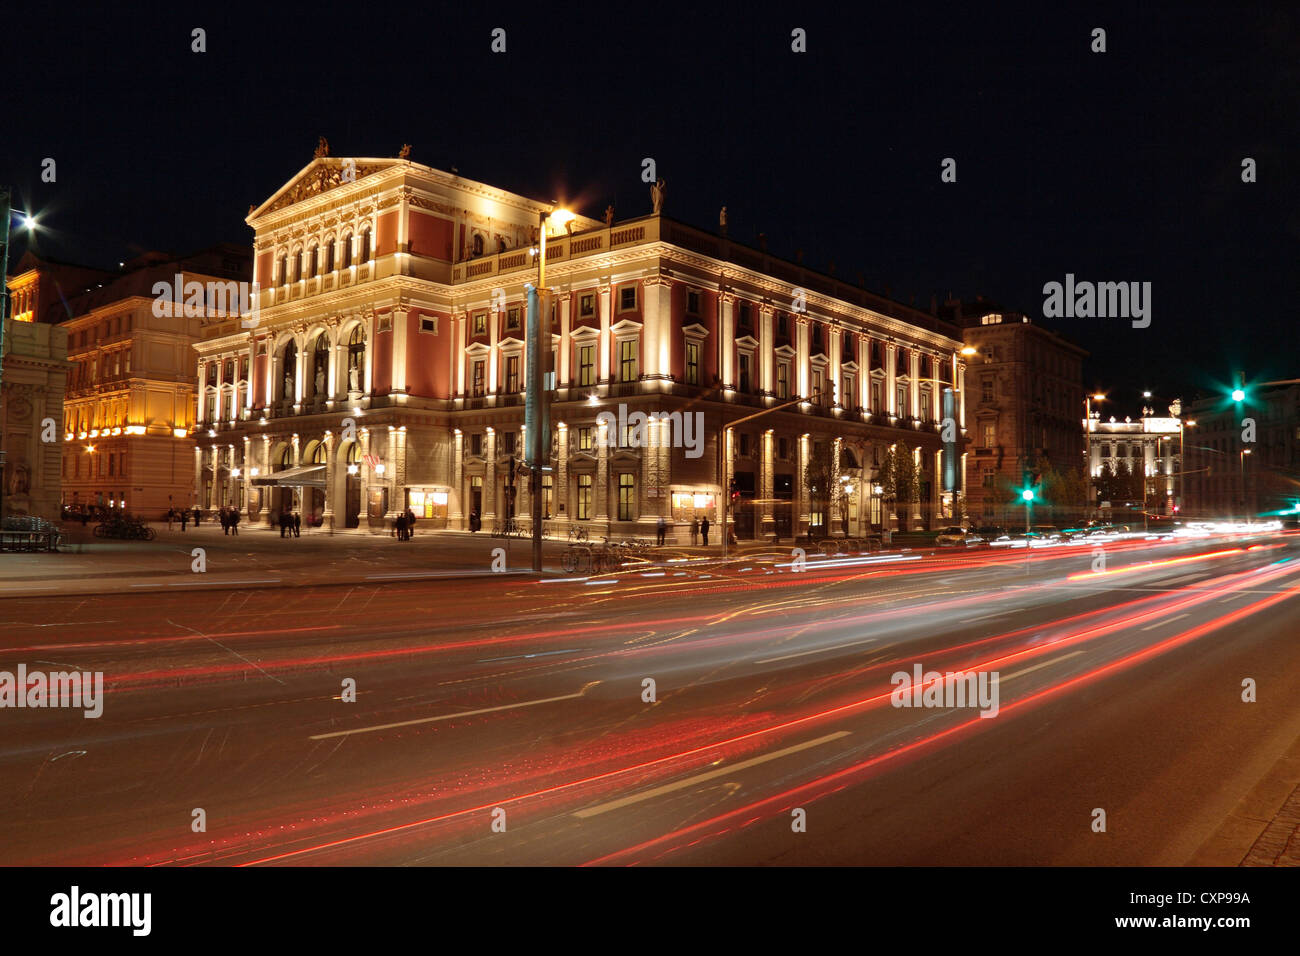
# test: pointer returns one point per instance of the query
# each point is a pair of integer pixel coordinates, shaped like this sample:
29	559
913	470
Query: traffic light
731	487
1027	494
1239	393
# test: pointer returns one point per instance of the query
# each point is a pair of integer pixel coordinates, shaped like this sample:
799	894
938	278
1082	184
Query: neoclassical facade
384	369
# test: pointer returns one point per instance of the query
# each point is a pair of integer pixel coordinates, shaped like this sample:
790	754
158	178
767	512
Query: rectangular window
783	380
819	387
584	497
512	374
627	360
586	305
692	363
478	379
586	365
476	444
626	493
990	435
783	448
509	442
745	320
925	406
585	439
744	372
849	397
480	323
429	323
986	391
782	324
692	302
744	445
627	298
512	318
900	398
877	399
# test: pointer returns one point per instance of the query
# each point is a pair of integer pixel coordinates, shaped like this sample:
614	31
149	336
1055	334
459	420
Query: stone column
800	508
767	483
766	352
602	475
728	341
562	373
563	519
455	506
198	478
327	515
489	476
891	367
605	292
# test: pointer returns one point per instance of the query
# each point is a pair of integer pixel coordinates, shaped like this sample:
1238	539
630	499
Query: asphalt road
507	720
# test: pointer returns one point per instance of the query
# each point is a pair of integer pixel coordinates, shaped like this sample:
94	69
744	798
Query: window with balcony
692	363
988	435
512	374
901	403
476	444
746	383
586	365
347	250
479	370
782	379
365	246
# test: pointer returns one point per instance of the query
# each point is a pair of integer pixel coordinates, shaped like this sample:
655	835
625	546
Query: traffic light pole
4	317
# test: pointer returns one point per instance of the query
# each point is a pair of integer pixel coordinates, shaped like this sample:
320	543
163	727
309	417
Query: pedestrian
695	531
171	517
410	523
704	530
297	525
473	520
185	519
196	516
225	521
284	523
234	521
663	530
400	525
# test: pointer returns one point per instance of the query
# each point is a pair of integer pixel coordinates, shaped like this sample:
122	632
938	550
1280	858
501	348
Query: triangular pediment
320	176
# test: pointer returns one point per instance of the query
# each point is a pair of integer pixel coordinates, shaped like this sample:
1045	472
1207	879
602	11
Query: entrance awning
306	476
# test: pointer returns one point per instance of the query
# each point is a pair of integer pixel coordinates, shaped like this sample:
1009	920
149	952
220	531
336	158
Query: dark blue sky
1122	166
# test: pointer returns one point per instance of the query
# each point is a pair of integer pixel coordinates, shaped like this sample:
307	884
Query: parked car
958	538
1047	532
991	533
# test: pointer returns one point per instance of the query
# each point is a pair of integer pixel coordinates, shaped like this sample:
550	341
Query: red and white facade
385	367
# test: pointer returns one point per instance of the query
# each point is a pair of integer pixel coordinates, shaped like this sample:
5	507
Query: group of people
290	524
404	526
183	516
698	528
229	520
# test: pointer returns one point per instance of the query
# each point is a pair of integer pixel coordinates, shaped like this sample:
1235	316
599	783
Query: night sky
1122	166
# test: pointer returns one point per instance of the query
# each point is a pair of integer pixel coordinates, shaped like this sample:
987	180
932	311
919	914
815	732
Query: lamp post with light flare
29	223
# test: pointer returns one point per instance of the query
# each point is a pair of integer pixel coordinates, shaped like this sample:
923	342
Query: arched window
365	246
286	457
329	256
284	270
297	266
313	262
357	358
320	362
347	250
318	454
289	371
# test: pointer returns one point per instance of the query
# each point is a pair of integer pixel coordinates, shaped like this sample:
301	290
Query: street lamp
536	412
25	221
1087	425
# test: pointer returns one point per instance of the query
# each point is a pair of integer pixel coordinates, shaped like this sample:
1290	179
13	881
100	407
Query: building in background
1136	466
1024	403
34	379
386	370
1231	475
130	407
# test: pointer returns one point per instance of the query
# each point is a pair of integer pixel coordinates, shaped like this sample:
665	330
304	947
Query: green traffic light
1027	494
1238	395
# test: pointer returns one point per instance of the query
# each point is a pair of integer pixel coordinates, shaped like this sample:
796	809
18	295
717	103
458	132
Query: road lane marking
815	650
1233	597
708	775
983	617
464	713
1054	660
1152	627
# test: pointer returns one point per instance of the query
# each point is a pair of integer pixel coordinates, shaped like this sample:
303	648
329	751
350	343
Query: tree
819	475
898	476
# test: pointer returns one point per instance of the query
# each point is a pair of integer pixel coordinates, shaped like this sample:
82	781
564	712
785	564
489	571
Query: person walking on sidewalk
695	531
400	526
410	523
297	525
704	530
197	515
234	521
185	519
284	523
171	518
662	530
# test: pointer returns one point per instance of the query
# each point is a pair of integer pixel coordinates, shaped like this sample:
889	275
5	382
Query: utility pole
4	319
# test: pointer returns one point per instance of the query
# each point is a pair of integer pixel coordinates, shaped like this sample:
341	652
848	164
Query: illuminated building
387	367
130	405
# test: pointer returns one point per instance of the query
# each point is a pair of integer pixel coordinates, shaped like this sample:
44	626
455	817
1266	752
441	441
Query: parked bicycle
126	527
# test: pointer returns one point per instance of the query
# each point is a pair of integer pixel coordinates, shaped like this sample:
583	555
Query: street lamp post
536	399
1087	437
6	193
